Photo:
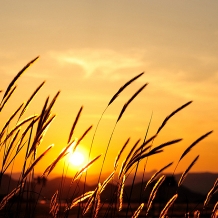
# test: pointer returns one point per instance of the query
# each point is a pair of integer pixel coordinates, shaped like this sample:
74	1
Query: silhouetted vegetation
162	197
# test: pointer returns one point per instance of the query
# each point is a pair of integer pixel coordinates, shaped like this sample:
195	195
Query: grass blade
129	101
35	162
48	110
106	181
97	200
154	192
212	191
54	163
140	157
166	144
138	211
54	205
40	123
39	135
168	205
187	170
85	168
7	97
5	200
79	199
30	99
81	138
123	87
171	115
17	127
193	144
74	124
127	159
140	150
119	154
89	202
152	152
215	211
17	76
9	120
9	148
157	173
120	192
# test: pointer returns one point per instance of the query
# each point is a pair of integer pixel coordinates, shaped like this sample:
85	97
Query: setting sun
76	158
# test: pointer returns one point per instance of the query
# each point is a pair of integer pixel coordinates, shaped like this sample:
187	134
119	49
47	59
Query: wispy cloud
181	75
101	61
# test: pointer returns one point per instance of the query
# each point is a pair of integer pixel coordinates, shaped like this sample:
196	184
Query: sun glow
77	158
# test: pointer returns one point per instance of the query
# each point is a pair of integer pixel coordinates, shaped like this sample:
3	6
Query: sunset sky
88	50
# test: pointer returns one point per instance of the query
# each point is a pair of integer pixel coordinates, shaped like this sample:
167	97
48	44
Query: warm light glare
76	158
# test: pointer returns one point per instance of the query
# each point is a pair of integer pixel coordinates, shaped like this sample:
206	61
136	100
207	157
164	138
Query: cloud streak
100	61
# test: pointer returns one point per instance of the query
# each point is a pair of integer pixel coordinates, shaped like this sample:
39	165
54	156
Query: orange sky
88	51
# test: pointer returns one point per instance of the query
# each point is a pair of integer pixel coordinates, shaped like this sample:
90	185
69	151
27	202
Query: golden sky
89	50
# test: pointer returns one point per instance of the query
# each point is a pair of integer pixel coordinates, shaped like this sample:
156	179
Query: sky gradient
88	51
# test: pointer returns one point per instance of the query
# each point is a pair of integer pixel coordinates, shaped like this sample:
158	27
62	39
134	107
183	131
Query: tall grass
27	136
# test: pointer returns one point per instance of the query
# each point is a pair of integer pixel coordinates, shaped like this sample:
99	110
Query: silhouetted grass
13	140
